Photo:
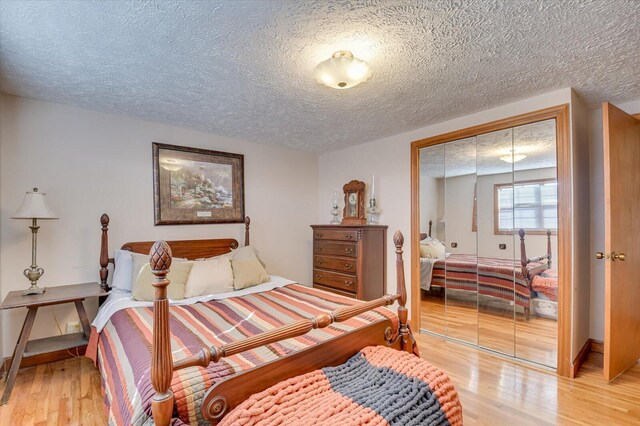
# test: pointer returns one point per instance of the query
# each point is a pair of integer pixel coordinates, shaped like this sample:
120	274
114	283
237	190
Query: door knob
599	255
618	256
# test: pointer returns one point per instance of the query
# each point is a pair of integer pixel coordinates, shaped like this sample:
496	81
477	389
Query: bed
193	363
499	278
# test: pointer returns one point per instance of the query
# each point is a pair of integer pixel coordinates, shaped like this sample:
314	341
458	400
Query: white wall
596	172
389	159
89	162
429	206
458	214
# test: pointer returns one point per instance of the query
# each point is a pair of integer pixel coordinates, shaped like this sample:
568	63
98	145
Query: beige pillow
209	277
248	272
432	250
178	275
139	260
245	253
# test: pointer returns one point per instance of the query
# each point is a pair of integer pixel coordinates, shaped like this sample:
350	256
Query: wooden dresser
350	259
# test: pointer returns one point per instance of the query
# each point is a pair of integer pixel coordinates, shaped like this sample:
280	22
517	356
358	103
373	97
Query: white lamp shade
34	206
342	71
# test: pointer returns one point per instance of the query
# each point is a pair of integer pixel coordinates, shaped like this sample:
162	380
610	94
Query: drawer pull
348	236
348	283
319	261
318	235
349	250
318	276
348	265
318	248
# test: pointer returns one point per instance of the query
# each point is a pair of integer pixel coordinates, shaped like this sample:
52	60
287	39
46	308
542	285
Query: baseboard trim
597	346
45	358
590	345
581	358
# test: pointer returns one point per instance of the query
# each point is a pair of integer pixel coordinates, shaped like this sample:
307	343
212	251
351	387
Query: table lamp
34	207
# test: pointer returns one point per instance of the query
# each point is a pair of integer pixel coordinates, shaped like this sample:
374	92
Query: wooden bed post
104	251
549	248
407	341
523	255
161	359
247	223
430	225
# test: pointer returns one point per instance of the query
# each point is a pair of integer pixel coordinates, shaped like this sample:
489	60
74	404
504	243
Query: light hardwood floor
493	391
534	340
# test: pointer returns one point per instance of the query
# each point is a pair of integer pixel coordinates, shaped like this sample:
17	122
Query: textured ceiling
481	154
244	69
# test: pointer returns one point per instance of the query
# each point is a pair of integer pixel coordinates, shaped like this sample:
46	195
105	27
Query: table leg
84	320
18	352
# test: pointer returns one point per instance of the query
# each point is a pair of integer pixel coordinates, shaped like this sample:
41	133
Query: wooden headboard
423	235
188	249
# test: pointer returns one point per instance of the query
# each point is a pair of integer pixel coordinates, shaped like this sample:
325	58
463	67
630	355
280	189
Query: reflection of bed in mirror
532	281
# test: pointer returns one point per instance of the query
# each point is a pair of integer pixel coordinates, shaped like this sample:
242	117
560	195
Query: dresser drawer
337	264
335	290
335	248
336	280
336	234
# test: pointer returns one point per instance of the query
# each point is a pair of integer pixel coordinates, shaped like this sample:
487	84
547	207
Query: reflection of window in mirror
531	205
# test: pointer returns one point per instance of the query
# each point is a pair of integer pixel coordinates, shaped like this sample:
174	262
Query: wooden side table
76	294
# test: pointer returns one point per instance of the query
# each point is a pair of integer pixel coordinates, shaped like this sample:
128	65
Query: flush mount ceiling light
513	158
342	71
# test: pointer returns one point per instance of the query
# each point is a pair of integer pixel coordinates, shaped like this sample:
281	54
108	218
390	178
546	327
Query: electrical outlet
73	327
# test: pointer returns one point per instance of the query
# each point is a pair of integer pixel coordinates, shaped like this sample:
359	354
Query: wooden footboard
226	394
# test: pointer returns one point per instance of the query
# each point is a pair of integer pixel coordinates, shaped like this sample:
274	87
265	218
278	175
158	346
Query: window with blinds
532	206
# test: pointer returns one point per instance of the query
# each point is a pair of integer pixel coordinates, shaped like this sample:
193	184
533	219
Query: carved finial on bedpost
161	359
407	341
549	248
247	223
523	254
104	251
430	225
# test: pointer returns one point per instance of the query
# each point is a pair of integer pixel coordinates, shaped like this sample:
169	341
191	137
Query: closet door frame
563	169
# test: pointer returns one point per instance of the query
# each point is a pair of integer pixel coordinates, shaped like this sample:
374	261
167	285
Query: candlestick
373	186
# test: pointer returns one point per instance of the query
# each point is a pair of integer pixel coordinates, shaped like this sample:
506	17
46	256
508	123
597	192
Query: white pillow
432	250
123	271
210	276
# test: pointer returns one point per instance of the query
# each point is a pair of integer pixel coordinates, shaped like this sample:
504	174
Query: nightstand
75	293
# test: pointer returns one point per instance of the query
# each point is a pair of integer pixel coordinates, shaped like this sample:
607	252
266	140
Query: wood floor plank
493	391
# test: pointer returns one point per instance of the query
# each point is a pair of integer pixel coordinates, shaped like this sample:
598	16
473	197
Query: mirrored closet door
488	233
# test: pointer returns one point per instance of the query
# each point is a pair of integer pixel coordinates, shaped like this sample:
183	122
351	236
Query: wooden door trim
563	168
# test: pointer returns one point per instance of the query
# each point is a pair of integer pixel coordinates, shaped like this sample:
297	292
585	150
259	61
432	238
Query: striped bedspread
124	345
377	386
488	276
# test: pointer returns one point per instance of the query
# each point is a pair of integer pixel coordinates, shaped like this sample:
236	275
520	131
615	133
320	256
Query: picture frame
197	186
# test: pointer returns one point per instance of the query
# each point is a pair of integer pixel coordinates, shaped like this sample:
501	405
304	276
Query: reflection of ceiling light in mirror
342	71
170	164
513	158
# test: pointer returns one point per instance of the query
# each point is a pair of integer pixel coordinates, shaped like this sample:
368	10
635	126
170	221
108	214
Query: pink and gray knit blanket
377	386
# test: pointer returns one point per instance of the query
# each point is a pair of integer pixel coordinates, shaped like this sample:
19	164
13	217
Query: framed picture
193	186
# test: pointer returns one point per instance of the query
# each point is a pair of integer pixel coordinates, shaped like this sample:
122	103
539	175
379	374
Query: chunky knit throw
377	386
